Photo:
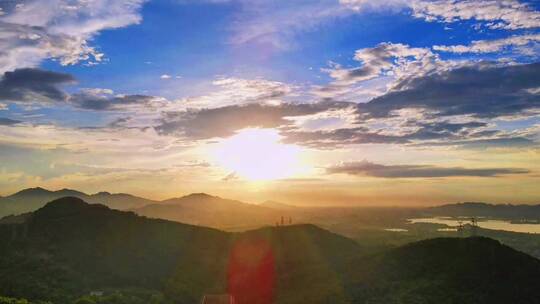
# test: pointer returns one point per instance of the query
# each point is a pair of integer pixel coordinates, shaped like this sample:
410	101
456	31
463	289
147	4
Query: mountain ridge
70	247
503	211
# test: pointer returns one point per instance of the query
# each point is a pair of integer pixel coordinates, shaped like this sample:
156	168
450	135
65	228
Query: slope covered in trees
68	250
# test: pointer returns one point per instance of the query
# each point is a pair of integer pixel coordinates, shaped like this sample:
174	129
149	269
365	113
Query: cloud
8	122
492	46
237	91
34	30
36	86
384	58
495	14
119	122
165	76
494	142
387	61
327	139
444	130
482	91
274	24
230	177
414	130
33	85
507	14
225	121
434	133
104	100
366	168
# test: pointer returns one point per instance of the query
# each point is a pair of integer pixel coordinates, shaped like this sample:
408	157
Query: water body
486	224
396	230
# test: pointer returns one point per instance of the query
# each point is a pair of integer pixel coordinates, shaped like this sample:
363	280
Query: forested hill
68	249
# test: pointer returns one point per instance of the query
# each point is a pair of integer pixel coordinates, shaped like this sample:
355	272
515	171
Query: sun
258	155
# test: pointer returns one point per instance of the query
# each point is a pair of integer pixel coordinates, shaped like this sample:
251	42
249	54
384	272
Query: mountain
501	211
31	199
212	211
69	248
121	201
447	270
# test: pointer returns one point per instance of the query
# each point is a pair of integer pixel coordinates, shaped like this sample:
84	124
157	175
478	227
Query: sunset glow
258	155
331	102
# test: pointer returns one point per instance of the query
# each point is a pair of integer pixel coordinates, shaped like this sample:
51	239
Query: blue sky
113	90
191	40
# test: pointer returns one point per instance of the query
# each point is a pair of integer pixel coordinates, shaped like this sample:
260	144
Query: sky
330	102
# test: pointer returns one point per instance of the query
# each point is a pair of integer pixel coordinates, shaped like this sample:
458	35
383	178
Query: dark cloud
119	122
497	142
225	121
361	135
231	176
33	85
353	75
483	91
444	130
8	122
366	168
104	102
340	138
438	134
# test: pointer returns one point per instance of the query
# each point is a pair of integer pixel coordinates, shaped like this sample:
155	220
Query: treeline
110	297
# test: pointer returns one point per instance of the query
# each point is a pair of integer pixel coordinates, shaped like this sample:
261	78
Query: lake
486	224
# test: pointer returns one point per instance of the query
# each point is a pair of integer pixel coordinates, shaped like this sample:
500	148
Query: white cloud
492	46
235	91
507	14
362	5
274	24
381	66
34	30
165	76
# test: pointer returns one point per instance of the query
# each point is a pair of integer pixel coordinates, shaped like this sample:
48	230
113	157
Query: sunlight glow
258	155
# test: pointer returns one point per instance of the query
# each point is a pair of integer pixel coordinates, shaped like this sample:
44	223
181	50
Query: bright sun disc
257	154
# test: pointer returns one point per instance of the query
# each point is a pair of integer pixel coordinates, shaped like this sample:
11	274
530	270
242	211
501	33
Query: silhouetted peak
32	191
104	193
296	228
41	191
455	246
66	206
199	195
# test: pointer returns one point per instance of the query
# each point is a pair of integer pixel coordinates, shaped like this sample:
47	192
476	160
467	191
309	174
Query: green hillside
68	250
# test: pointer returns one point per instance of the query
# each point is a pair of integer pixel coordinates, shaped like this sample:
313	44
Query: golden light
258	155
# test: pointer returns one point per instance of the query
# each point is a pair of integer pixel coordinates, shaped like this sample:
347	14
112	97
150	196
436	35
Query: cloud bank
366	168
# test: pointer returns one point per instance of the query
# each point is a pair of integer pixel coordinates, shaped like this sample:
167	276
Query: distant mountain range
232	215
68	249
502	211
31	199
197	208
212	211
